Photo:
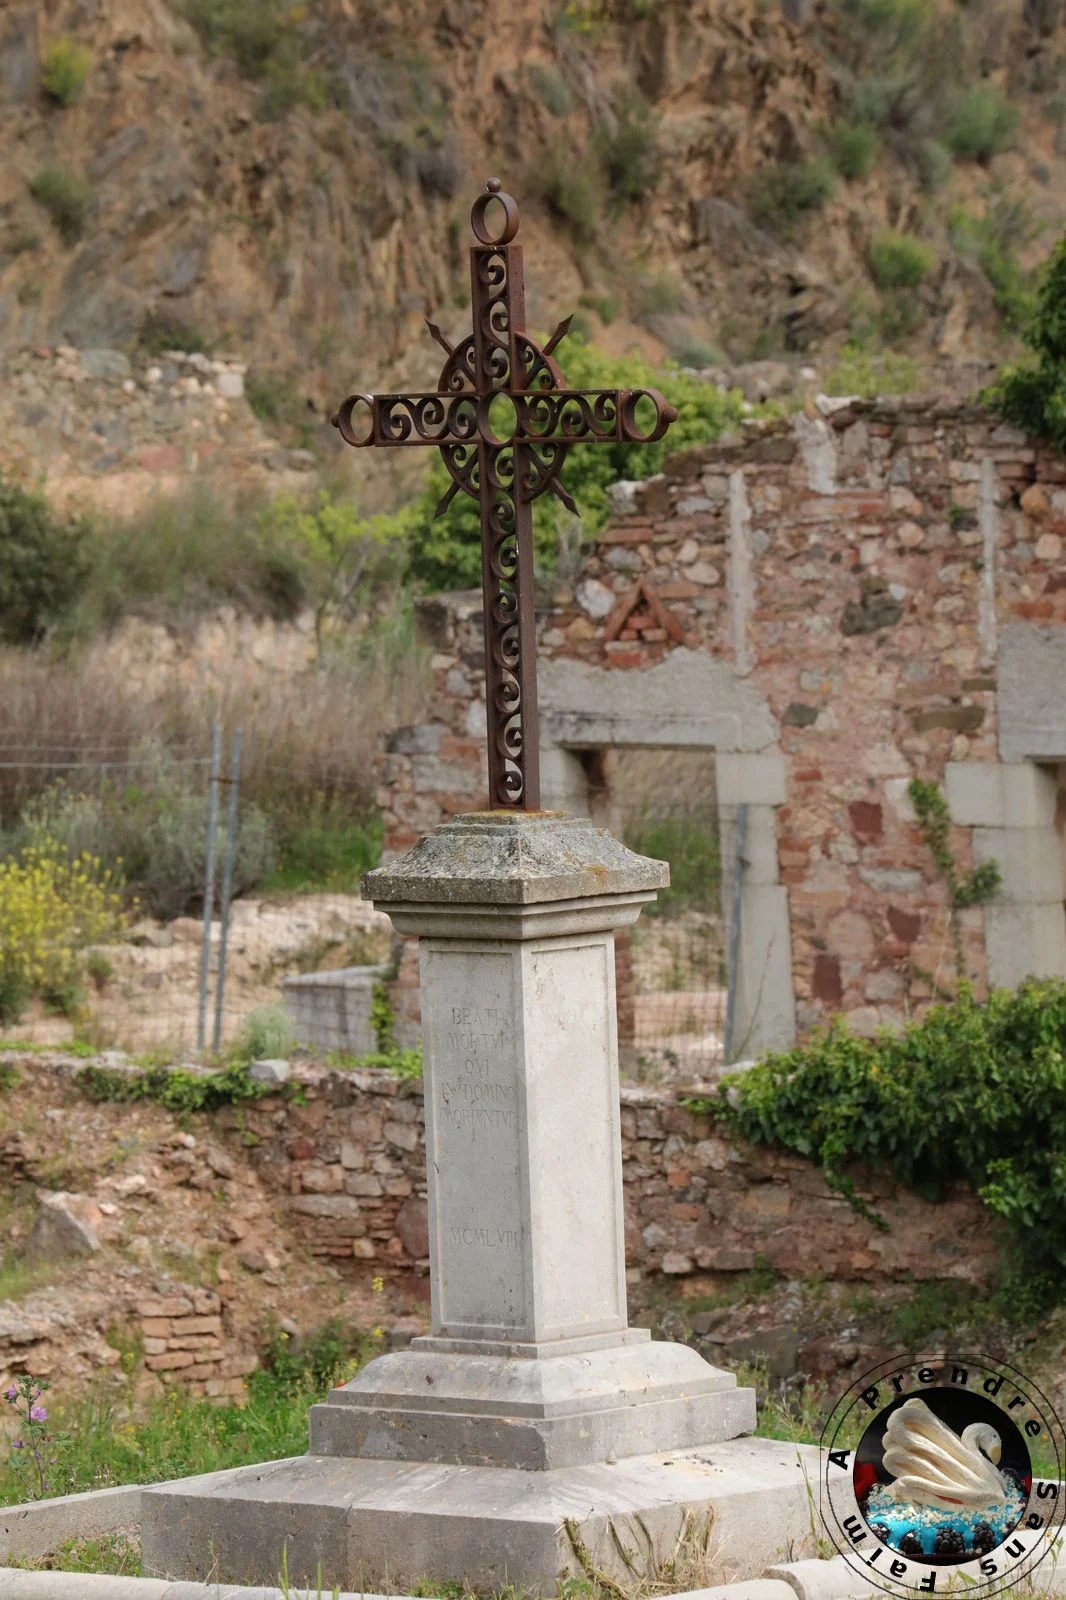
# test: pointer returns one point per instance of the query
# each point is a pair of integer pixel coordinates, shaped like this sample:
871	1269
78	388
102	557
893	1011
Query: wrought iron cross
503	421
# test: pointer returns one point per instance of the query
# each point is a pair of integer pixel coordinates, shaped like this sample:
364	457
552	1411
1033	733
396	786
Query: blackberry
949	1542
910	1544
984	1539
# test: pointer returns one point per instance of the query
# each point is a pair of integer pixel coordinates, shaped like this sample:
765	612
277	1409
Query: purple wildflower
18	1445
13	1392
38	1414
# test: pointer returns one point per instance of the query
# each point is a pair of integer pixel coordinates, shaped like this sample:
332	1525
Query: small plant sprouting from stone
973	889
37	1450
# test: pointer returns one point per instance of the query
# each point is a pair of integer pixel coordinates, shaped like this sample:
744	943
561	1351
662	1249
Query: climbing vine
934	820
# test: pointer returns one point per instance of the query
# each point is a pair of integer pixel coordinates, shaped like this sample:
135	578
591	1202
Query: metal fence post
734	930
227	886
209	883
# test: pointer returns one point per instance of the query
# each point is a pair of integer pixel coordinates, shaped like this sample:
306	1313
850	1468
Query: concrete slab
33	1530
369	1523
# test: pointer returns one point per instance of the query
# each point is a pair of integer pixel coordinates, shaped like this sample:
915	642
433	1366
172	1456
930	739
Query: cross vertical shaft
497	294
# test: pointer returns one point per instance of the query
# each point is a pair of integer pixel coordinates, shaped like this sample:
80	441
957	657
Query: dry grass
313	734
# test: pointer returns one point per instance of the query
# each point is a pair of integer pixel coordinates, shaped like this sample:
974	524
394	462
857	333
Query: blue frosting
926	1521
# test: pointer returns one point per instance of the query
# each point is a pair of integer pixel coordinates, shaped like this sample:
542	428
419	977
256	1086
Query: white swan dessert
933	1466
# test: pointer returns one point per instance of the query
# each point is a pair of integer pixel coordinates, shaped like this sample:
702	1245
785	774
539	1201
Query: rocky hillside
707	179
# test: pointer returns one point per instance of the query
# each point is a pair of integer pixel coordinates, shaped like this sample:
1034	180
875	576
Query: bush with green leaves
64	69
66	195
268	1034
981	124
993	238
155	829
783	193
43	564
628	149
1033	396
899	260
854	148
975	1092
446	553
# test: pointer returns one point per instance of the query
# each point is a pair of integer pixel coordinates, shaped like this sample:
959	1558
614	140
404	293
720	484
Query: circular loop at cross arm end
631	431
343	417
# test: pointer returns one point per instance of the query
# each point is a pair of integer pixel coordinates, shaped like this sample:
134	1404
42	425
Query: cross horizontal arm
540	416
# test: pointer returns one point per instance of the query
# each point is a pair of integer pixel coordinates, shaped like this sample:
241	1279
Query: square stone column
516	915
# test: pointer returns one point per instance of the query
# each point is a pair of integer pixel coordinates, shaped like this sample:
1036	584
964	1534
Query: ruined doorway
672	966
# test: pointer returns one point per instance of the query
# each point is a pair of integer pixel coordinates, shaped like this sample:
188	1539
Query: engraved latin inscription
471	1094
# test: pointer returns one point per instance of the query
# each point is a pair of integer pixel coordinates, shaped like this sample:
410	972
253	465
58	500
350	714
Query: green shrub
628	150
253	35
572	186
783	192
993	240
183	553
156	827
981	124
43	564
933	165
66	195
903	22
64	70
52	907
690	845
866	373
1034	397
949	1099
323	844
268	1034
552	88
177	1089
854	147
899	261
446	553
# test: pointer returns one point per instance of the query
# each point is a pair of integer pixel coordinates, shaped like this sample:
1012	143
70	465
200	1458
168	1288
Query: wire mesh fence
664	804
209	919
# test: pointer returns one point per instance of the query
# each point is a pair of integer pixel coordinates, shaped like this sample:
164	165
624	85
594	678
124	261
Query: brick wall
856	571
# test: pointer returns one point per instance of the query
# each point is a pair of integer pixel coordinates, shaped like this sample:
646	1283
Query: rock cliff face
295	185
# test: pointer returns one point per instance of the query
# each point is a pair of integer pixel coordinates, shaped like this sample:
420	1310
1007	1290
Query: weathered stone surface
64	1225
500	858
354	1521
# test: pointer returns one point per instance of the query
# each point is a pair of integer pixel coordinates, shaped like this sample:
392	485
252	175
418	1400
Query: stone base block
718	1513
537	1415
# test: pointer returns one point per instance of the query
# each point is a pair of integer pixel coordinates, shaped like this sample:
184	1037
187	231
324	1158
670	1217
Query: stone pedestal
531	1362
532	1415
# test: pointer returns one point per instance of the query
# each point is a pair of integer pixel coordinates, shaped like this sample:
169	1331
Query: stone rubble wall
100	429
348	1169
852	568
294	1193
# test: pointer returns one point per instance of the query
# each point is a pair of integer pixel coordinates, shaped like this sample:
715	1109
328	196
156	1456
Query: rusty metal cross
503	421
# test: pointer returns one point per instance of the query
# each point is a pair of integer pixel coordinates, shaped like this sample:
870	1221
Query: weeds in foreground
111	1553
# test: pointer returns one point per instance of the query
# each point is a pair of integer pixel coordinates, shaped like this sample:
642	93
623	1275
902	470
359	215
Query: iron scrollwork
504	422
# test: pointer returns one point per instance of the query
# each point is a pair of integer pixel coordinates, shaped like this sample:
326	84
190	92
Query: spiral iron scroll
504	474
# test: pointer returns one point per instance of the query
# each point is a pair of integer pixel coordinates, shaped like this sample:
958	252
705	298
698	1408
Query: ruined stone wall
855	570
348	1170
175	1247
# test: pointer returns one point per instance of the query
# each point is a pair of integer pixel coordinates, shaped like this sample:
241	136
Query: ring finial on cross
494	192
